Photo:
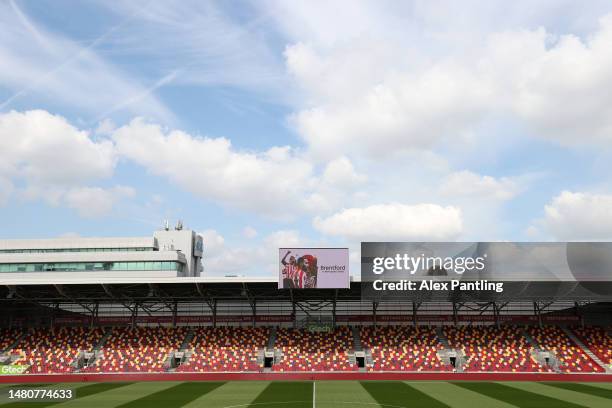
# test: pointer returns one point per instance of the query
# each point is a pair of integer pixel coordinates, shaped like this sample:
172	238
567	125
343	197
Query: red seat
141	349
54	350
571	357
8	337
314	351
597	340
492	349
403	348
225	349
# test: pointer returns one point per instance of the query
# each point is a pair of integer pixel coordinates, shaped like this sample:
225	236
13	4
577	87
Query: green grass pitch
327	394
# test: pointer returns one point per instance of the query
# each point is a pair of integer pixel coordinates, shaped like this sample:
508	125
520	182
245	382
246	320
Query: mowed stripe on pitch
231	394
117	396
343	394
458	397
281	394
173	397
604	385
584	388
400	394
515	396
81	390
579	398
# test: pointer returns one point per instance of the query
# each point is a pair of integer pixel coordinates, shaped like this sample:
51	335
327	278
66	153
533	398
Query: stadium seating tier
488	348
236	349
571	357
49	351
598	340
303	350
225	349
403	348
141	349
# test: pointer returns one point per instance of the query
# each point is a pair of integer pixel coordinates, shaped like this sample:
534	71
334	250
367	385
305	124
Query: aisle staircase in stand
586	349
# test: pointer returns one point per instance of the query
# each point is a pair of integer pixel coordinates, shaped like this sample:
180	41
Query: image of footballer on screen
299	271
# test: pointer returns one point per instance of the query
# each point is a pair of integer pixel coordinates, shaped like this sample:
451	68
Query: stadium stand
141	349
571	357
8	337
403	348
54	350
229	349
506	349
303	350
488	348
598	340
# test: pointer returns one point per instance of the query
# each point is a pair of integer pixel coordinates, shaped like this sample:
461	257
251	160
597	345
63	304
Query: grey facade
167	254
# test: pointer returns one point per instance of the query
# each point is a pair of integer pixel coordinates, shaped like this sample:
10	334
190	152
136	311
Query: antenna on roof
166	225
179	225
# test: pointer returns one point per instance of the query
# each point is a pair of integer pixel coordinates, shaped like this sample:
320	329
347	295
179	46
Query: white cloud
105	127
562	90
283	238
92	202
278	183
400	113
394	222
249	232
375	95
257	258
468	184
579	216
56	70
51	160
374	80
52	156
213	242
368	89
340	174
42	148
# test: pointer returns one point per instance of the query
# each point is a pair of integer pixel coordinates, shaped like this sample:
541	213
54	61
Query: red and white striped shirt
300	278
290	271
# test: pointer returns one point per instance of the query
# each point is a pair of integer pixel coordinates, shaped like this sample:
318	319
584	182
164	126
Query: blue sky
270	123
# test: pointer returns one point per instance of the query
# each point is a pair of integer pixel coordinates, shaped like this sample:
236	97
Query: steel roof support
53	314
214	312
496	314
254	308
108	291
415	308
174	313
374	309
578	312
293	308
94	314
134	314
334	308
538	313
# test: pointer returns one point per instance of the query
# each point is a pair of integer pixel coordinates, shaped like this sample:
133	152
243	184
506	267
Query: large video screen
313	268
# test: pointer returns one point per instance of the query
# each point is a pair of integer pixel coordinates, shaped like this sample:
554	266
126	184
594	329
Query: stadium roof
84	279
181	289
266	289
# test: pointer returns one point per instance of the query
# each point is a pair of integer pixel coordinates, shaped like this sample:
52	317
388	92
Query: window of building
55	250
92	266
